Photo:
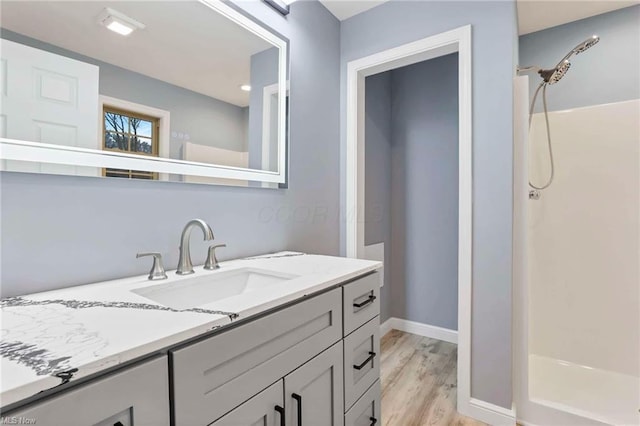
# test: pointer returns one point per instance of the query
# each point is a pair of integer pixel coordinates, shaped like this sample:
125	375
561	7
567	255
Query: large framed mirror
190	91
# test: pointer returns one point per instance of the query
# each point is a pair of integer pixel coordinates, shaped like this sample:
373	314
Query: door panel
313	392
51	99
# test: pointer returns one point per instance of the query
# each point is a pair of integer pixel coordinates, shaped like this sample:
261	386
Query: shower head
588	43
554	75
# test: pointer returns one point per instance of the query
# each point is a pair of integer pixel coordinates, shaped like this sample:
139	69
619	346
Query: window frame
155	141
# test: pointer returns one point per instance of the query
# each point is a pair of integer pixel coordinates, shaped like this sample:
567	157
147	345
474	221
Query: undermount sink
209	287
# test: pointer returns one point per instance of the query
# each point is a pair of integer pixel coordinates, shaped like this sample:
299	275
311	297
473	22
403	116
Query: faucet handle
212	260
157	270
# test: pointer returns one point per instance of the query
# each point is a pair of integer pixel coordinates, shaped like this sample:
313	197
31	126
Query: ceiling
536	15
344	9
181	43
533	15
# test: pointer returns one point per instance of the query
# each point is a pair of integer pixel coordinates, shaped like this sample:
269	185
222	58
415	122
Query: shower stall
576	261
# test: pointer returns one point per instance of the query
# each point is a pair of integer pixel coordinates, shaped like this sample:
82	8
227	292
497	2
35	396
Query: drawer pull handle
373	421
371	356
298	399
366	302
280	411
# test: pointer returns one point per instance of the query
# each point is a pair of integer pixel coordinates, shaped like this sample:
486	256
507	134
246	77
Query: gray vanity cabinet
361	310
313	392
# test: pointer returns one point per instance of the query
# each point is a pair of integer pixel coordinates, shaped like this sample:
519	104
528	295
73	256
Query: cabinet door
137	396
264	409
313	392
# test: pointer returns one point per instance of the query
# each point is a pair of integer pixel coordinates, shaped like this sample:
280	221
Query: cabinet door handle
280	411
298	399
366	302
371	356
373	421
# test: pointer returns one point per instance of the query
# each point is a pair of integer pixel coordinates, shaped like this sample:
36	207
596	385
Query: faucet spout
185	266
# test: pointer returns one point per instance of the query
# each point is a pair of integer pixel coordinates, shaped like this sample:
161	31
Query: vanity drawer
361	301
366	411
361	360
138	395
212	377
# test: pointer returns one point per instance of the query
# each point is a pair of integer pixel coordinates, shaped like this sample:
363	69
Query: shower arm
528	69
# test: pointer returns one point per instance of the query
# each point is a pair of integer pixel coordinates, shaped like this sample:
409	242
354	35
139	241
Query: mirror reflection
170	79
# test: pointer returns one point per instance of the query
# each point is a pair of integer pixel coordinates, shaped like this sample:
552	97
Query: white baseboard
386	327
420	329
490	413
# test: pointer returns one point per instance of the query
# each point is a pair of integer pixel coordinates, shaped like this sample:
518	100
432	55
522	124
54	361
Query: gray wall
207	121
412	122
378	176
424	187
264	72
493	48
608	72
60	231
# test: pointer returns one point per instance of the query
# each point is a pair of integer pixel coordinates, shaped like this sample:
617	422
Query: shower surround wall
411	184
494	51
583	234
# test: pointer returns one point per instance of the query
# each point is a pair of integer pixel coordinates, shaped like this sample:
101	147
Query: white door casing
48	98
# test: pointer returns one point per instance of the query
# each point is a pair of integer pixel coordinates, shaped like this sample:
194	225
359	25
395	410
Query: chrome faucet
185	266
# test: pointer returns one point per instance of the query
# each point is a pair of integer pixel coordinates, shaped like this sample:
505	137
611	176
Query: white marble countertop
98	326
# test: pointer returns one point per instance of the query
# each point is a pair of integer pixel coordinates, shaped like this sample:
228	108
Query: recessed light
119	28
118	22
245	87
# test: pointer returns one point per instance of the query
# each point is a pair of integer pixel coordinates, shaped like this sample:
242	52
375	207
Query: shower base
601	395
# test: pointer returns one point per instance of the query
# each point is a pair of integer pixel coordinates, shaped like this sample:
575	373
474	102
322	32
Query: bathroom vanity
298	345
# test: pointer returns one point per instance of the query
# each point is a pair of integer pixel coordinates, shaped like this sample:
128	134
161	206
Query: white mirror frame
11	149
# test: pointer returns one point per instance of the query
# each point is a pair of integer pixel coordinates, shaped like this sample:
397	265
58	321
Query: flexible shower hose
543	86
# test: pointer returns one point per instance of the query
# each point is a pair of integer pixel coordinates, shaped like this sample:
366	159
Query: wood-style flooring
418	377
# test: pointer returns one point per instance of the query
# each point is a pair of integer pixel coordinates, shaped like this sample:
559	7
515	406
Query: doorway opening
456	45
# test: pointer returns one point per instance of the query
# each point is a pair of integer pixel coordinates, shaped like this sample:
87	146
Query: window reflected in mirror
132	133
